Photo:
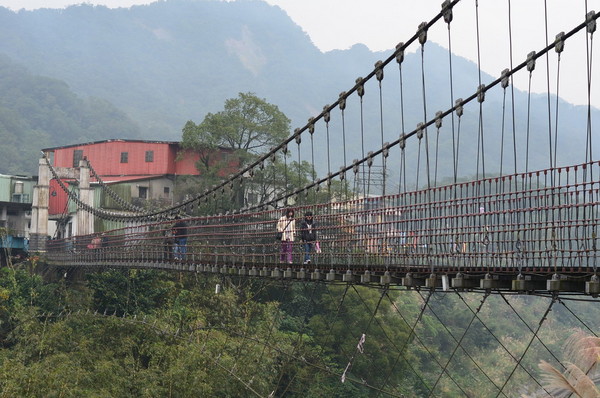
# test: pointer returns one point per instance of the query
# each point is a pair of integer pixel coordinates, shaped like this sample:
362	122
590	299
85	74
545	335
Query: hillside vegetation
126	333
39	112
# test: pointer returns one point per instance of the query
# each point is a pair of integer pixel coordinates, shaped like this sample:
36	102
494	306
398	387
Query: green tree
344	316
246	128
246	123
130	291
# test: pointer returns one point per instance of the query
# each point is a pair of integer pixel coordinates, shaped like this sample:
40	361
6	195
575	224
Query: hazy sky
381	24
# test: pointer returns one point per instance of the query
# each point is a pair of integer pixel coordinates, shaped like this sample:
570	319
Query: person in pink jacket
286	226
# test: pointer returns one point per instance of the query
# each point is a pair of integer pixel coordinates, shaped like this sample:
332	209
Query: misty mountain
38	112
176	60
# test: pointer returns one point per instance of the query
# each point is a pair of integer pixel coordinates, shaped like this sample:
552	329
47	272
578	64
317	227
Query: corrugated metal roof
115	179
111	140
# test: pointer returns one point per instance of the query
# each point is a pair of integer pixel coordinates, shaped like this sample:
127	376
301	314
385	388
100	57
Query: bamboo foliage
583	353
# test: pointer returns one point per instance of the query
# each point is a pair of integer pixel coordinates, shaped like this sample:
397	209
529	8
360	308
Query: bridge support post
85	219
348	277
410	281
331	275
553	285
39	209
559	283
519	283
593	286
527	284
386	278
288	273
315	275
366	277
462	282
276	273
301	274
433	282
490	282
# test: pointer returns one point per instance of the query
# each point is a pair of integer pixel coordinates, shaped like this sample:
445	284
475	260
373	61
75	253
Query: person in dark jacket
308	235
169	242
180	235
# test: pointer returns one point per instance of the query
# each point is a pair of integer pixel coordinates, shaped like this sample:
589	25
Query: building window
149	156
20	197
124	157
77	156
167	191
143	192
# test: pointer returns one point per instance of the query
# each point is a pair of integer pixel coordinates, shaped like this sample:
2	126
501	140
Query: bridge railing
540	219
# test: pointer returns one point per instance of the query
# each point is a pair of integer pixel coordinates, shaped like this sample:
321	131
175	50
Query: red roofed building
137	170
128	157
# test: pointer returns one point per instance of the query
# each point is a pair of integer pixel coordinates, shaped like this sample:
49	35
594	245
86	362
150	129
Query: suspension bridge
493	194
533	229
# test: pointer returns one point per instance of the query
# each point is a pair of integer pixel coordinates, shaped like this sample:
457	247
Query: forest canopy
148	333
39	112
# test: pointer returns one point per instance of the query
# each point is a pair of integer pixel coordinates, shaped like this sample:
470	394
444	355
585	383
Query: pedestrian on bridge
169	242
95	243
308	234
286	227
180	235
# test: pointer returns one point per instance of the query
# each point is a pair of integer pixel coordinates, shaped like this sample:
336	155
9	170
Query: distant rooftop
111	140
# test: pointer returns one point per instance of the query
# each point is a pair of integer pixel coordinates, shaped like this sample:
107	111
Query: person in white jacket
286	226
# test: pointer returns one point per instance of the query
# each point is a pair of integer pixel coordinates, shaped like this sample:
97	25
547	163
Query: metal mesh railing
513	221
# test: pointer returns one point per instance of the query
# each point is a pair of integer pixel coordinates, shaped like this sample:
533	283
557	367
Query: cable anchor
438	119
311	125
504	81
458	104
591	22
360	86
342	100
531	61
481	93
423	33
379	70
559	42
447	11
326	114
370	159
355	166
420	131
400	52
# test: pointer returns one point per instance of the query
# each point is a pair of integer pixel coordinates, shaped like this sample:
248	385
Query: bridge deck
515	232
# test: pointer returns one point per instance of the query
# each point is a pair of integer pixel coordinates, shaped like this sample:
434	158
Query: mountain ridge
168	62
